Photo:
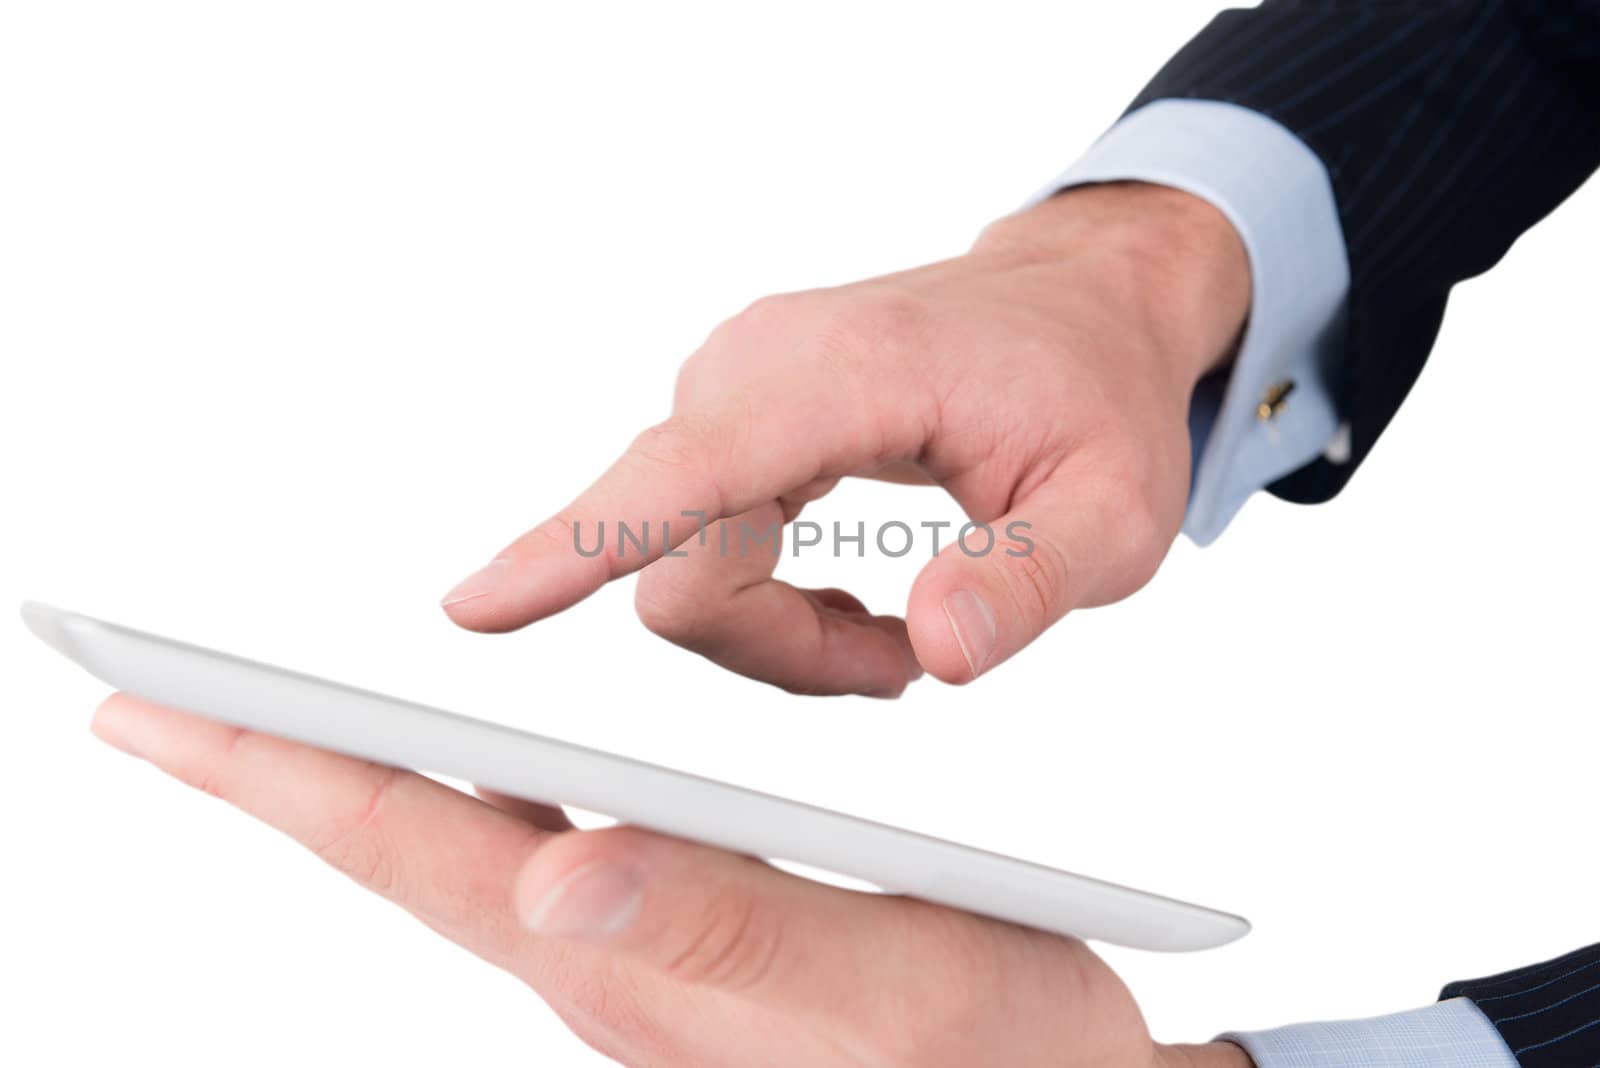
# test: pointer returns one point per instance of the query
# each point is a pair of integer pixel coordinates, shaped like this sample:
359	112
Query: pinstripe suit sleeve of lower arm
1447	129
1548	1013
1449	1034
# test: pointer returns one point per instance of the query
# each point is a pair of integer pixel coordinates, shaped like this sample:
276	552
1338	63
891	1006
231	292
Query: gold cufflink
1274	400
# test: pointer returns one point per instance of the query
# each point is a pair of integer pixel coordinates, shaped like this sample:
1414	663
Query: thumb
711	919
891	979
1080	539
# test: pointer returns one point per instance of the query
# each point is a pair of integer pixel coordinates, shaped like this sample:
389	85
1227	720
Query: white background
307	307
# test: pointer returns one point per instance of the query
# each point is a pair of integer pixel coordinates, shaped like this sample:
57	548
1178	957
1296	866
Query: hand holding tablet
284	704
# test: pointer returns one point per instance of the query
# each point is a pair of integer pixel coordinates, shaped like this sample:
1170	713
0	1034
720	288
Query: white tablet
347	720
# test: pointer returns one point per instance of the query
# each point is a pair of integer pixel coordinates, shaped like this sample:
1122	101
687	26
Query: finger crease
368	814
211	778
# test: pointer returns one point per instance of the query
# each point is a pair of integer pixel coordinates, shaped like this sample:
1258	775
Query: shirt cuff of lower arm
1448	1034
1277	194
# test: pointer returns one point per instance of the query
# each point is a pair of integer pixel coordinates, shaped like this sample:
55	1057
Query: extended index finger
676	478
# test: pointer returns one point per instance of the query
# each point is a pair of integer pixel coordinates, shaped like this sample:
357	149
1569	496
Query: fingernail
973	624
598	900
480	583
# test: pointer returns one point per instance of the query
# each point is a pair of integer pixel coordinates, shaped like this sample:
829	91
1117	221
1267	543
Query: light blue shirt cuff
1277	194
1448	1034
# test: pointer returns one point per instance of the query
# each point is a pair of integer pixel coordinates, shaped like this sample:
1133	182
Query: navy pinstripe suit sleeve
1448	127
1549	1014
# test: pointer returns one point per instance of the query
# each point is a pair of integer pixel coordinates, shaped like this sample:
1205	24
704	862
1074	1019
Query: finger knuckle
862	330
561	533
353	843
751	332
216	776
666	609
767	312
1039	580
734	947
363	859
583	542
680	442
692	380
692	449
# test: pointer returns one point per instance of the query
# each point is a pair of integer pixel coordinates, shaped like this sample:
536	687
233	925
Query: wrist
1209	1055
1173	253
